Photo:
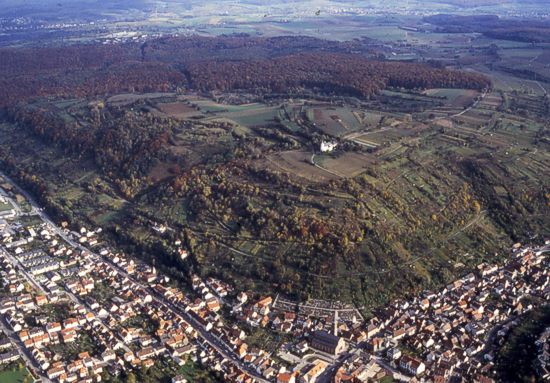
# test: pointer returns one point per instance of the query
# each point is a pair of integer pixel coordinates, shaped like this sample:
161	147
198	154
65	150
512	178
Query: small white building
327	146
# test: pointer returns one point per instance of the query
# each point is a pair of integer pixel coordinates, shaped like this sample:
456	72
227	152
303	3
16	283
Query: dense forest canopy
209	64
338	73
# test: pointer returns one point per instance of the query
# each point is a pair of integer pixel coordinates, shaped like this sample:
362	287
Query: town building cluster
451	334
436	337
77	314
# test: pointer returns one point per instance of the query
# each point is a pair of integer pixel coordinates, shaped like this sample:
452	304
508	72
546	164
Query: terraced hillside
428	203
424	184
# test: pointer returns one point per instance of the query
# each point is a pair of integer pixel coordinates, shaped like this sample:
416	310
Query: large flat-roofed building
326	342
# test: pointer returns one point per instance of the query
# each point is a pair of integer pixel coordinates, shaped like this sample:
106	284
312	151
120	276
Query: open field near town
15	375
458	98
347	164
299	164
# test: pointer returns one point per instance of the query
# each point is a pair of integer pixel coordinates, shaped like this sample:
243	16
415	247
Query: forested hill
224	63
342	74
531	31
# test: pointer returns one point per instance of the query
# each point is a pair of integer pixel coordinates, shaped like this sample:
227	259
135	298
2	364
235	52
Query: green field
5	206
252	116
454	97
15	376
209	106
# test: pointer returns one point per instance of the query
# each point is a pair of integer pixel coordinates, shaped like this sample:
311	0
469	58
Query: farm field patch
299	164
456	98
333	121
348	164
252	116
178	110
129	98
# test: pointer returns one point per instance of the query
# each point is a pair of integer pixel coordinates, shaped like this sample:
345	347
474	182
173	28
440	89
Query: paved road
27	357
29	360
20	269
30	279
